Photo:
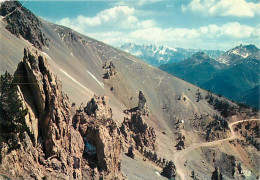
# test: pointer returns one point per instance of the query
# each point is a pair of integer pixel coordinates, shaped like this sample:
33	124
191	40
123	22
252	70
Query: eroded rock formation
99	129
142	104
53	147
110	70
135	130
98	107
52	144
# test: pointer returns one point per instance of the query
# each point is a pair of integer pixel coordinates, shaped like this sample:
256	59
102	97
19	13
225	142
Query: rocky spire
142	104
110	70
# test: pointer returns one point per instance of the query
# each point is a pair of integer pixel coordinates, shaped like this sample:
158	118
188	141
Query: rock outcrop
98	107
21	22
142	104
54	147
99	129
137	132
110	70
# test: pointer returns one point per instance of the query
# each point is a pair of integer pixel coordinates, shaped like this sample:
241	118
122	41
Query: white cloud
239	8
121	24
122	17
206	37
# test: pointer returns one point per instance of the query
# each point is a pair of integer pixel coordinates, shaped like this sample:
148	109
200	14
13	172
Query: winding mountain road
179	159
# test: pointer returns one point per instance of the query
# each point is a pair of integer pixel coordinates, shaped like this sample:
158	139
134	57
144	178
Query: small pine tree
193	174
216	175
12	115
169	170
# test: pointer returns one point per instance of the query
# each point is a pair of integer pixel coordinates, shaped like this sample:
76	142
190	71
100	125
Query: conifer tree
12	115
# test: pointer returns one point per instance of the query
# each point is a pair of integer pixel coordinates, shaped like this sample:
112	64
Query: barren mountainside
96	112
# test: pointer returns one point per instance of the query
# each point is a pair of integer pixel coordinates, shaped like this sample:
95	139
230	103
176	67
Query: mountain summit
239	53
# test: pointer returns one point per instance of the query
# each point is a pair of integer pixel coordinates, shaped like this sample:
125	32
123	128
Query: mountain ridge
179	112
158	55
239	53
230	75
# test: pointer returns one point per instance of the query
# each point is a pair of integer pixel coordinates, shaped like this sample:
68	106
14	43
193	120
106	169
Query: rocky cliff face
52	144
22	22
53	147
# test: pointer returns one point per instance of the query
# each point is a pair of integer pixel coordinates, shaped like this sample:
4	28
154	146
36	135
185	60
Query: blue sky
203	24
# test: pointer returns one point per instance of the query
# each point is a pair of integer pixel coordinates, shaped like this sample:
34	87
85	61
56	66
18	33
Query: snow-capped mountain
239	53
158	55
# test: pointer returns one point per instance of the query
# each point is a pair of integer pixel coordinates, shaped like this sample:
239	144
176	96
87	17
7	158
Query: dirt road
179	159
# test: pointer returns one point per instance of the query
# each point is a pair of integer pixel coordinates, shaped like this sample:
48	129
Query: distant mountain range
235	74
197	69
158	55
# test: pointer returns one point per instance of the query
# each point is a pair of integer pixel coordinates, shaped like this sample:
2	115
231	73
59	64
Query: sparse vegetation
130	152
198	96
219	124
250	131
193	175
224	107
